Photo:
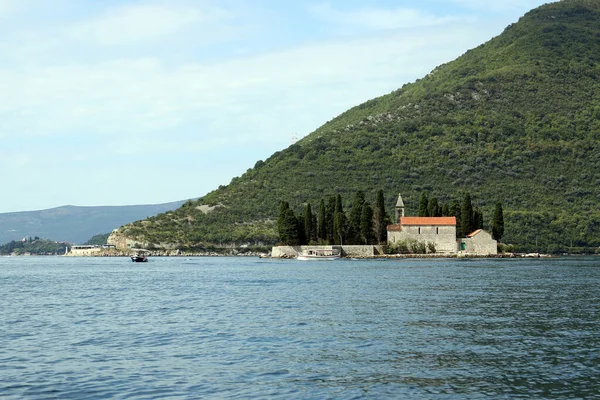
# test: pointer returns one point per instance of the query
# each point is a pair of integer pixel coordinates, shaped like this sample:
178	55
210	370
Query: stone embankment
162	253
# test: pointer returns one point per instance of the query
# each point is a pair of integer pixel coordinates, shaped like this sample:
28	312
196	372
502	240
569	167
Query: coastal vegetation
514	121
33	246
363	225
99	239
332	225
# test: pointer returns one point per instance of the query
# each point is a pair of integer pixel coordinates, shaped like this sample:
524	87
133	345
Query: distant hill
515	120
74	224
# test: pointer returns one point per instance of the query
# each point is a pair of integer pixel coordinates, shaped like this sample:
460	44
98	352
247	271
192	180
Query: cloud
372	18
135	23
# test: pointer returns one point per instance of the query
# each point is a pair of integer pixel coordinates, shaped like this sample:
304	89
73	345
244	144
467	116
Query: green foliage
520	113
99	239
35	246
498	222
433	208
354	220
288	226
322	223
431	247
380	219
424	205
411	246
466	221
310	228
367	233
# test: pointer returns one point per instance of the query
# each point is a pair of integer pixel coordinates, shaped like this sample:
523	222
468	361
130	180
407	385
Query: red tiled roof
428	221
474	233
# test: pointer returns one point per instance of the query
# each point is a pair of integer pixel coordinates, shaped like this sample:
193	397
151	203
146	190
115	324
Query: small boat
139	258
319	254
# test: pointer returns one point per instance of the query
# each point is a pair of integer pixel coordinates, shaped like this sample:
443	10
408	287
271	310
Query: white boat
319	254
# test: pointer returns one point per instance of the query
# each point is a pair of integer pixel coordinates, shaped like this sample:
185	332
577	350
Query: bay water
240	328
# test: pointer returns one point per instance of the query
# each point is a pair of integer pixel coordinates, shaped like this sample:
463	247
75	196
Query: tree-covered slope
516	120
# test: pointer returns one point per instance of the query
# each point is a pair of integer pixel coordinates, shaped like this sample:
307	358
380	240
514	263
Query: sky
123	102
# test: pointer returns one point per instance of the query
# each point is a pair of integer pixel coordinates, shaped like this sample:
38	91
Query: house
479	242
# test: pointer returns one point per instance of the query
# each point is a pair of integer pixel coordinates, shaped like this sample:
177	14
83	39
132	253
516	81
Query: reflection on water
246	328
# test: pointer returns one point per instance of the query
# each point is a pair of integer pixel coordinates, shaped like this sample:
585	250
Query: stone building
479	242
439	231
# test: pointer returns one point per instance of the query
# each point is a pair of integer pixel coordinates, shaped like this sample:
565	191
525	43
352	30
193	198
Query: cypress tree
424	205
498	222
302	240
329	217
288	230
366	224
433	208
339	222
308	223
445	210
466	212
455	212
477	219
354	236
380	218
322	224
313	233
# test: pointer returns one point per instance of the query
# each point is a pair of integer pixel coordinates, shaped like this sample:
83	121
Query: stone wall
85	252
346	251
443	236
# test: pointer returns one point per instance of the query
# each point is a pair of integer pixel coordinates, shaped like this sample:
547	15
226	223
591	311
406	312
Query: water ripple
242	328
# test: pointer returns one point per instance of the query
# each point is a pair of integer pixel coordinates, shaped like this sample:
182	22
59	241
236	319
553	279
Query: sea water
238	328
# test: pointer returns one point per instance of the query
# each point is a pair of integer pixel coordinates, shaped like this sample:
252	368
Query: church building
439	231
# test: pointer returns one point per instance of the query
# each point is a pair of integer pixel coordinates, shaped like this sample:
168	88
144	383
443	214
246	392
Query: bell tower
399	209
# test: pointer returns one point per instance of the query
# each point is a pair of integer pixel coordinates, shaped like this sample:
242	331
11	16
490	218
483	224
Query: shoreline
375	257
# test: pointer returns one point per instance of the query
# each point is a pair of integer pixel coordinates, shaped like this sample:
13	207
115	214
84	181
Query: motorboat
319	254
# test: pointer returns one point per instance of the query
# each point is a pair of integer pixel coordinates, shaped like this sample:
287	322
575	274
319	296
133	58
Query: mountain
515	120
74	224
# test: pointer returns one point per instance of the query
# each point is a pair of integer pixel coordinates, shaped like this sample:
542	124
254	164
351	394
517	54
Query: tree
339	222
329	217
283	205
477	219
456	212
354	236
466	222
445	210
433	208
380	219
287	222
366	224
322	222
424	205
308	224
498	222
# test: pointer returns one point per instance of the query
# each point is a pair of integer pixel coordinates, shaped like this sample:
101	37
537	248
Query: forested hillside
516	121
